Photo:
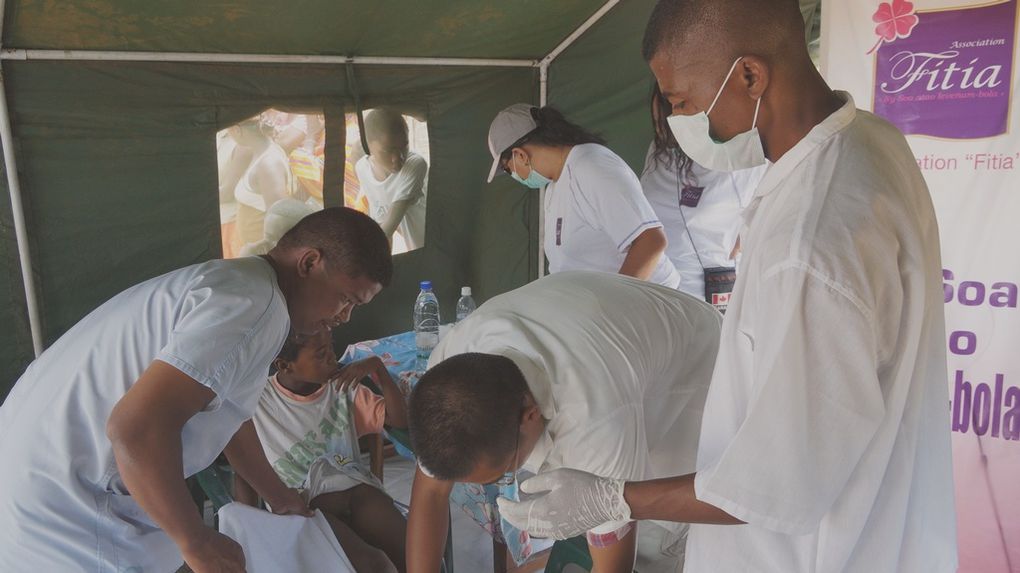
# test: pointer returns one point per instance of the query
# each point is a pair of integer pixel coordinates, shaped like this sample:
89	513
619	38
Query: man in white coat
587	370
99	433
826	429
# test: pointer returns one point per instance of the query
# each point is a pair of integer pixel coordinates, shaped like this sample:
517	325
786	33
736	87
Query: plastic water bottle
466	304
426	321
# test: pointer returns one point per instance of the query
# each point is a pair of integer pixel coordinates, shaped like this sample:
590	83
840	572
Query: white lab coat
619	367
593	213
63	505
826	427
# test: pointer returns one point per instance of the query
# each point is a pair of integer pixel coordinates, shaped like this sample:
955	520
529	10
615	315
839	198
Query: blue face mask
535	179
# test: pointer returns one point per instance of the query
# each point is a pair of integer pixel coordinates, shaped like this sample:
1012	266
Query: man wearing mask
825	431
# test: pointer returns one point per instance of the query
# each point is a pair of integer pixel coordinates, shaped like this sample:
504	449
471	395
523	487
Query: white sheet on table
274	543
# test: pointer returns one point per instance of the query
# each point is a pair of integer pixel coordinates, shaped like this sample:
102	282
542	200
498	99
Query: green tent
114	106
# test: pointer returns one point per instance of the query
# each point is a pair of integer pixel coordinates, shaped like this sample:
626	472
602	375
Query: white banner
943	71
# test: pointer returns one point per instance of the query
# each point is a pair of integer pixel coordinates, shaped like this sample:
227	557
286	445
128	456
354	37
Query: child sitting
309	419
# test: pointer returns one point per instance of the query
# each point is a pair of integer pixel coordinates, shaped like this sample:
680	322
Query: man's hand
214	553
570	503
290	502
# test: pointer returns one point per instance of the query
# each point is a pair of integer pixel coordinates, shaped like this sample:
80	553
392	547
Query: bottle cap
426	285
465	291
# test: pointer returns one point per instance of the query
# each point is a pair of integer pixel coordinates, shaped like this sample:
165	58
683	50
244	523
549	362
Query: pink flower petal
905	25
883	14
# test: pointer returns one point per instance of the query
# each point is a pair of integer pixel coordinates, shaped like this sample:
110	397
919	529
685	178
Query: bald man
393	178
825	441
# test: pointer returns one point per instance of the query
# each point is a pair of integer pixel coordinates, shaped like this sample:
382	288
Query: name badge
690	196
719	283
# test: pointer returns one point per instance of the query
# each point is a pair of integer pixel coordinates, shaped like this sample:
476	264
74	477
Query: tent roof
524	29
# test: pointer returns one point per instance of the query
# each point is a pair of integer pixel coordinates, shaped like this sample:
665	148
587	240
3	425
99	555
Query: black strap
352	86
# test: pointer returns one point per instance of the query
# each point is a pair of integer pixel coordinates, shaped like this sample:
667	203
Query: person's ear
521	156
309	260
754	76
531	413
281	365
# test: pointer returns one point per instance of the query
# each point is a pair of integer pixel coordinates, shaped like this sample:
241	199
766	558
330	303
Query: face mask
693	134
535	179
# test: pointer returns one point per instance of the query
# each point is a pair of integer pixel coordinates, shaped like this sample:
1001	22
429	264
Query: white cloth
619	367
594	212
278	543
826	427
63	506
408	184
713	223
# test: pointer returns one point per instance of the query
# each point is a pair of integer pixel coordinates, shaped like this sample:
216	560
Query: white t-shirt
594	212
711	215
409	183
297	430
827	426
619	367
63	506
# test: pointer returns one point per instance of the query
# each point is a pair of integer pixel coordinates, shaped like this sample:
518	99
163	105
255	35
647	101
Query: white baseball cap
508	128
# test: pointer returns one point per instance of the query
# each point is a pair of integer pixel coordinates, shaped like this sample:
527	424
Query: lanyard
683	217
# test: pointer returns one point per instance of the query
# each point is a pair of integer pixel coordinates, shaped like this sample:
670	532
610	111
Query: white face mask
693	134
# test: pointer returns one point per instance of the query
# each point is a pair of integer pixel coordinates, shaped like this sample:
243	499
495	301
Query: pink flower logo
895	19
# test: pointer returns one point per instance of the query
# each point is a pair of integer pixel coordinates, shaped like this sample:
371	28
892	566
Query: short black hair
465	409
764	27
350	241
292	347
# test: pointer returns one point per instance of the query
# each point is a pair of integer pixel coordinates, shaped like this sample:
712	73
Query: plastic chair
571	551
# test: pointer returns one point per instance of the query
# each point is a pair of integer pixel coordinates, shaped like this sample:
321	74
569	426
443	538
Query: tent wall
119	172
602	83
15	336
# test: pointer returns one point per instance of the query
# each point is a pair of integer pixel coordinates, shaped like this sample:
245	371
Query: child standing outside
309	420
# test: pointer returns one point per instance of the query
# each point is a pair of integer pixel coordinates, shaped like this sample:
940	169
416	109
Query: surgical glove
567	503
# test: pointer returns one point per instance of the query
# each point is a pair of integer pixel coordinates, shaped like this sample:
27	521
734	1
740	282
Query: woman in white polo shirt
699	208
596	216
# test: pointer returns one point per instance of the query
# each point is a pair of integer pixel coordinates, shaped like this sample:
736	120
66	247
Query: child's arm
616	557
396	410
244	492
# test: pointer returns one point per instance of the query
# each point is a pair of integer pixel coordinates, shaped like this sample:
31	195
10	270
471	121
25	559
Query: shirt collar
836	122
539	454
314	396
537	379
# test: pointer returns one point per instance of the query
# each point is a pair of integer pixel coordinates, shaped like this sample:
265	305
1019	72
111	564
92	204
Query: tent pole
18	214
591	21
3	20
203	57
543	100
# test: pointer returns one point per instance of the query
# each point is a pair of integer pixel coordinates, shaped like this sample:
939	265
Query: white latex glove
570	502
